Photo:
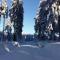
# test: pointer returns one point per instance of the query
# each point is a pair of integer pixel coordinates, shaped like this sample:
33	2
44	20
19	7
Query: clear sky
30	8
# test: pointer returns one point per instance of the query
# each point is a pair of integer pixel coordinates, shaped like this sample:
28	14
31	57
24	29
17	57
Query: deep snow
27	51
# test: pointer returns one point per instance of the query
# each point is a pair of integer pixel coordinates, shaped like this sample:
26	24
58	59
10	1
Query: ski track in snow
32	46
51	51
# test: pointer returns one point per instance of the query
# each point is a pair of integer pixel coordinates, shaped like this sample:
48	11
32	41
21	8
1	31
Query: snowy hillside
27	51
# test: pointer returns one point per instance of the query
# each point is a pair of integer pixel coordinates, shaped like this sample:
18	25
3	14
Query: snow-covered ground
27	51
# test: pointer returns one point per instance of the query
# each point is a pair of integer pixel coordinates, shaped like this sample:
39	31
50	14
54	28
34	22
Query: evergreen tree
16	15
48	19
40	25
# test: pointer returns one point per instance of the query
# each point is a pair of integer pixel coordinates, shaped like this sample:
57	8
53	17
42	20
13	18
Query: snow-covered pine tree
16	15
47	19
41	19
53	18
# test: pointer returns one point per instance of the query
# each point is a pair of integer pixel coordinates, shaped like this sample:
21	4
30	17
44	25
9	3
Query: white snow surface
51	51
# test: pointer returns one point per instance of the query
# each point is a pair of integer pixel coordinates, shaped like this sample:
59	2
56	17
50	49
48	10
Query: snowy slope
27	51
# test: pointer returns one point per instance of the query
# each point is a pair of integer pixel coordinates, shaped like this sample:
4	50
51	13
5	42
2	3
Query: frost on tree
5	8
47	19
16	16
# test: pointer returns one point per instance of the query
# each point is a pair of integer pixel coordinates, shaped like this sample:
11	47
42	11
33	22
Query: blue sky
30	8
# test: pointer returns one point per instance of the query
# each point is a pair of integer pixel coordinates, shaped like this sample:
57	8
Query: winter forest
44	44
16	18
47	20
